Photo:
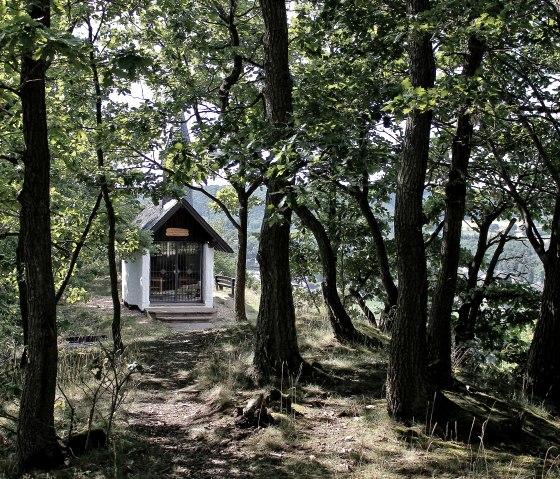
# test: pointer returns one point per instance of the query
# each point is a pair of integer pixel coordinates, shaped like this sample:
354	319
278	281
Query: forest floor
177	419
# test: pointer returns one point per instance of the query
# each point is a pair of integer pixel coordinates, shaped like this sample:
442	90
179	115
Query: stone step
182	313
180	309
186	319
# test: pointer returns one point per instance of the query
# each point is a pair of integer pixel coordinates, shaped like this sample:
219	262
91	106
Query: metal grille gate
175	271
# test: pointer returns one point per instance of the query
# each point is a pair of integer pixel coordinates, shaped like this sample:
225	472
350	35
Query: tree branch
78	248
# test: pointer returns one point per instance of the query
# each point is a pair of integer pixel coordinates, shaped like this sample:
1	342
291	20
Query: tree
468	311
344	330
347	71
525	151
37	443
406	374
221	103
118	345
439	323
276	347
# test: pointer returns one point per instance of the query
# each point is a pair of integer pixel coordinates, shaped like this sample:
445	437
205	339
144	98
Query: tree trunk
241	266
341	323
368	313
543	365
276	348
118	345
439	324
37	445
478	294
382	258
111	252
78	248
464	330
407	370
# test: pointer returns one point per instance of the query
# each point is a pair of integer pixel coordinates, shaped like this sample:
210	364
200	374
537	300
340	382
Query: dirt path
177	432
174	430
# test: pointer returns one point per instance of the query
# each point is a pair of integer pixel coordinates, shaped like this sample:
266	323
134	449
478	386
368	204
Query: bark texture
543	365
276	348
37	445
439	324
407	370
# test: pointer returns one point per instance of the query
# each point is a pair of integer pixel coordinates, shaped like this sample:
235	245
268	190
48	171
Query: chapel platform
184	312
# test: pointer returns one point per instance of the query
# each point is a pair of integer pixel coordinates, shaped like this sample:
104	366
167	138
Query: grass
176	420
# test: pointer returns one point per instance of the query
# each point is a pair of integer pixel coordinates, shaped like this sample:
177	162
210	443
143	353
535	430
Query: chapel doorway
176	272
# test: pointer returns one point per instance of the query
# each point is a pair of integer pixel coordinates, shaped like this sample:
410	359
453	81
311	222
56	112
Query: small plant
551	464
104	379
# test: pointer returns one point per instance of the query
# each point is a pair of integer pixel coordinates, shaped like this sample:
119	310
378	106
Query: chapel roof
153	217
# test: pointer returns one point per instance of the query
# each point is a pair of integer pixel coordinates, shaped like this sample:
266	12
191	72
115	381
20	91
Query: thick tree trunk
341	323
439	324
241	266
407	370
37	444
276	348
543	365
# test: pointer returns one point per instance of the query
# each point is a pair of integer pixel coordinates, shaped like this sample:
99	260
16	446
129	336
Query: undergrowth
336	427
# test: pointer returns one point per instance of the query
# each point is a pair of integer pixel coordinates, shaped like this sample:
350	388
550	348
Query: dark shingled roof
151	218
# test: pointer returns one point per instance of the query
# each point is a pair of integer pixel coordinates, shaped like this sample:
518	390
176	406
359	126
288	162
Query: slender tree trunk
543	365
37	444
368	313
382	258
111	240
118	345
439	324
241	267
464	331
341	323
478	294
407	370
78	249
276	348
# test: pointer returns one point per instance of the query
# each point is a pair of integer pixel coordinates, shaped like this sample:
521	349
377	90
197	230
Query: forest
388	175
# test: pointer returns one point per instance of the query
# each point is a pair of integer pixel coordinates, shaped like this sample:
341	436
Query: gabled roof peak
153	217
